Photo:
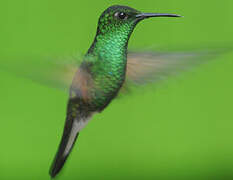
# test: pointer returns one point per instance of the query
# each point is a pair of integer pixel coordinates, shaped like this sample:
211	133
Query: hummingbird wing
149	67
142	67
61	75
52	72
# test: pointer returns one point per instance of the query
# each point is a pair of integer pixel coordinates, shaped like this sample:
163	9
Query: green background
182	129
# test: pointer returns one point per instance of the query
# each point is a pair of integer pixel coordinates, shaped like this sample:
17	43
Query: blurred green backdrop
181	130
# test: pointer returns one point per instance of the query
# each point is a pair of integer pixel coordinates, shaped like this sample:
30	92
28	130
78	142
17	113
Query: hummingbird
107	70
102	73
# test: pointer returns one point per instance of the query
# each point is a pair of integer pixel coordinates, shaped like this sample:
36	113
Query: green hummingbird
106	70
101	74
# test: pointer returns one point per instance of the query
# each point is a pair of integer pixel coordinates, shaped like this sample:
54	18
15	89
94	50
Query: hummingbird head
123	19
115	26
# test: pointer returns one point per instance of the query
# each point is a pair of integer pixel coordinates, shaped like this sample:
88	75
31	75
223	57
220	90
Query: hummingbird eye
121	15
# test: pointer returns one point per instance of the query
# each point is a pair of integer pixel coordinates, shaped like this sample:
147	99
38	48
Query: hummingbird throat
110	45
109	52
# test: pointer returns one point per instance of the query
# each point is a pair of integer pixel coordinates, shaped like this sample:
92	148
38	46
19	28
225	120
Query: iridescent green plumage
105	68
100	75
106	59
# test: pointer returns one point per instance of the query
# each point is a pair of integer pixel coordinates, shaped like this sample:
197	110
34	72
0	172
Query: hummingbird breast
108	80
97	82
103	69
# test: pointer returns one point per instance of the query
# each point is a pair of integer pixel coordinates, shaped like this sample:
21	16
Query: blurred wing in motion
82	85
149	67
46	71
142	68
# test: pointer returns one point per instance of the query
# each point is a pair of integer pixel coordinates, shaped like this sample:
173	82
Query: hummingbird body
107	57
100	75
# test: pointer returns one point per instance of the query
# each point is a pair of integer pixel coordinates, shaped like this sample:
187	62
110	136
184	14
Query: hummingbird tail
69	137
71	131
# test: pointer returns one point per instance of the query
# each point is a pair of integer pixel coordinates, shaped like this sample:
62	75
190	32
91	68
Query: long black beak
148	15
